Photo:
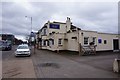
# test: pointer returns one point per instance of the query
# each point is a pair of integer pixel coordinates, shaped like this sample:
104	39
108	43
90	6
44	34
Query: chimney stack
68	23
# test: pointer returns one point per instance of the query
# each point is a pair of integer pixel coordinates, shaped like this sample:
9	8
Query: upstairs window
45	32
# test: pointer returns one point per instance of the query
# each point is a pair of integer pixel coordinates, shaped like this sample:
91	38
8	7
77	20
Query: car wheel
15	55
29	55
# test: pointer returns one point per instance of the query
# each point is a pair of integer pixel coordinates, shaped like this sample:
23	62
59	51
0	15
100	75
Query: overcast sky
96	16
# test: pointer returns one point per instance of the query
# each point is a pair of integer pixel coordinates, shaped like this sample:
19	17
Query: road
48	64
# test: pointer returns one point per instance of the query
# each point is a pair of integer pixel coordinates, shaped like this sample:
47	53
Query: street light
31	21
31	28
31	34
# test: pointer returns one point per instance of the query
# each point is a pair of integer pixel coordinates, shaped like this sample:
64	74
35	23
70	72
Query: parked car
10	44
1	45
4	45
23	50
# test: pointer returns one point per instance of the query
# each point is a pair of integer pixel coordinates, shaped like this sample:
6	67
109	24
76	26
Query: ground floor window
47	43
105	41
51	42
44	43
85	40
94	39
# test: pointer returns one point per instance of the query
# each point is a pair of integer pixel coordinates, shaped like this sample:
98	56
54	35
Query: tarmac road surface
48	64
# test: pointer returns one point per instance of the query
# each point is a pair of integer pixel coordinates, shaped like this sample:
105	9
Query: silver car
23	50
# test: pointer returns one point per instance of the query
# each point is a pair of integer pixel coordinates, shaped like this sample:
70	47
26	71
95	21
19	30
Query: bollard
116	65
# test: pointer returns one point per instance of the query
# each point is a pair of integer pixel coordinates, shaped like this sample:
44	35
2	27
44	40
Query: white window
60	41
105	41
94	39
51	42
44	43
44	31
86	40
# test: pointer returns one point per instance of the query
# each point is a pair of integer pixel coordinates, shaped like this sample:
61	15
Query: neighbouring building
65	36
17	41
8	37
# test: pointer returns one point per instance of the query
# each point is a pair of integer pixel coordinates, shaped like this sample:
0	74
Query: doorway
115	44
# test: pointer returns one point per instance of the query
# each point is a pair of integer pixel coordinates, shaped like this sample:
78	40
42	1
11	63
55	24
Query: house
65	36
8	37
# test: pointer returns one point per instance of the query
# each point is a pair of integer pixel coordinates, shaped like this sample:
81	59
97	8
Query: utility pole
31	24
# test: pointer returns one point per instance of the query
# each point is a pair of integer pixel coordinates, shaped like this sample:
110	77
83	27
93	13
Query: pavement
16	67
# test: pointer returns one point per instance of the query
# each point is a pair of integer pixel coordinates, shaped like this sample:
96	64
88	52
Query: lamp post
31	21
31	28
32	37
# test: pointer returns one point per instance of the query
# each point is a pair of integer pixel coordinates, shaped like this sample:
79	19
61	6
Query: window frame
60	41
44	43
44	31
94	40
86	42
51	42
105	41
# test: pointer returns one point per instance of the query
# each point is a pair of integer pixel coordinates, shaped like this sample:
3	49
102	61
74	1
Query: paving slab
18	69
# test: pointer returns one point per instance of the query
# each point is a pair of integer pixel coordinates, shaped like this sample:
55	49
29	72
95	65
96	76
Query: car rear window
22	47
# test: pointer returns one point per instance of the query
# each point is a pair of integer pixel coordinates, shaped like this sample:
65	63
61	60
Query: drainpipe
78	44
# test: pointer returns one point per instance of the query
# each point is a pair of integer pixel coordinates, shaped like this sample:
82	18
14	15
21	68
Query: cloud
97	16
